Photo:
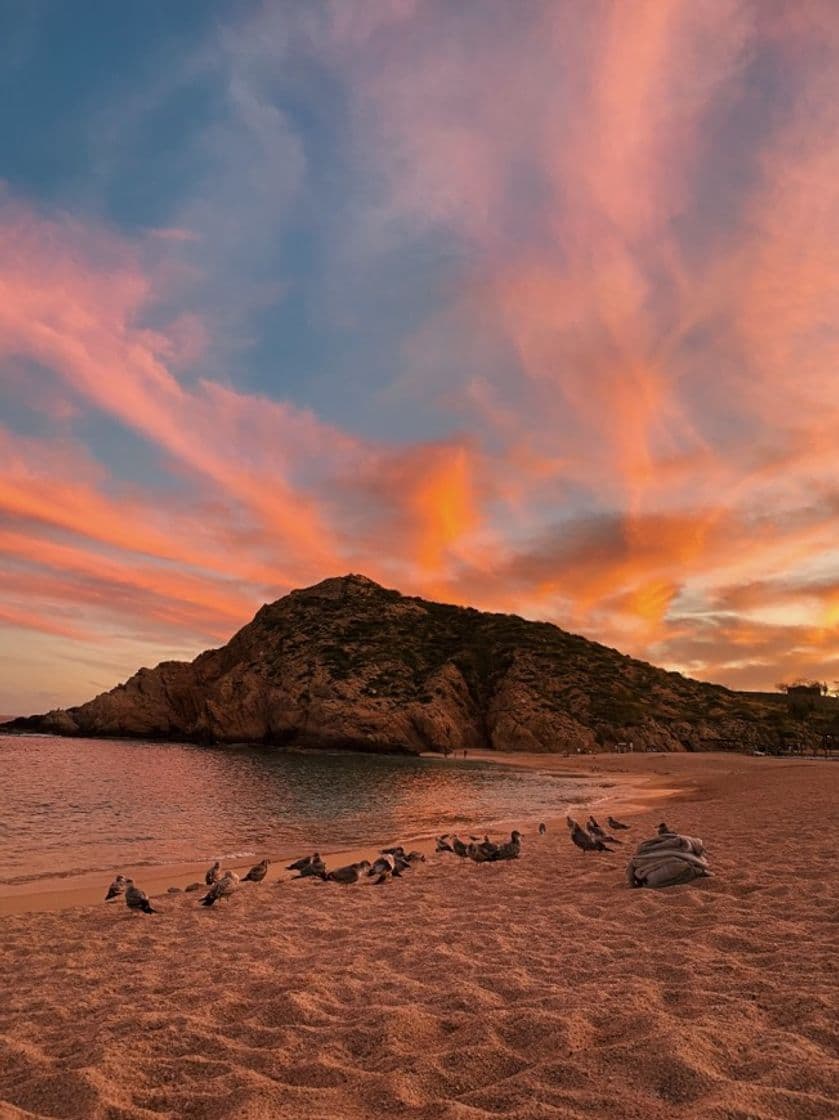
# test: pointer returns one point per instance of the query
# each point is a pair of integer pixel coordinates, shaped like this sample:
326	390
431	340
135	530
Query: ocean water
69	806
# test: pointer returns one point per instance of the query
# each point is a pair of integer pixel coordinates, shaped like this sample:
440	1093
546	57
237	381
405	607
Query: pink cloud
648	420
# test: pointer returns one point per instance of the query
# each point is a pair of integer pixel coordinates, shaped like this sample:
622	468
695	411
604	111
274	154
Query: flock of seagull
390	863
483	851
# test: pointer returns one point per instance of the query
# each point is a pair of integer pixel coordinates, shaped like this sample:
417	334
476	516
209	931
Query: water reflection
71	805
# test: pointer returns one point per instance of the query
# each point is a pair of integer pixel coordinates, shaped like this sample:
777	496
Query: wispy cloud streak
605	237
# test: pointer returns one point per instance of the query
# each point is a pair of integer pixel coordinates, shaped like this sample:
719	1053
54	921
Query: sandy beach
529	989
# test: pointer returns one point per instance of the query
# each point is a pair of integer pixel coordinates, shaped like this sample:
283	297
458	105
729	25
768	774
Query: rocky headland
350	664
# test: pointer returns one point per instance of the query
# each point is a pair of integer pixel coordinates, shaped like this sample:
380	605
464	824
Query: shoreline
630	795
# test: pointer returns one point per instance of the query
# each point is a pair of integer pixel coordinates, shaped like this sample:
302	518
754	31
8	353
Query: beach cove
535	988
76	811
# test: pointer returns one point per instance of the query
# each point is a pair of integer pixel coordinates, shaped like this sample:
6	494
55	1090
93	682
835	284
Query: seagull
349	874
459	848
213	875
542	829
483	852
299	864
443	845
388	865
135	899
257	873
583	840
116	888
613	824
384	865
222	888
594	828
510	849
474	852
663	830
415	857
314	869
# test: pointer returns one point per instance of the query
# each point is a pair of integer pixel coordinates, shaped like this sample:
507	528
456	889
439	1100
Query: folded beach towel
665	861
671	842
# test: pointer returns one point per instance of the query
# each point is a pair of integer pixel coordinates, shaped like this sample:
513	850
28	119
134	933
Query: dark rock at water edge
351	665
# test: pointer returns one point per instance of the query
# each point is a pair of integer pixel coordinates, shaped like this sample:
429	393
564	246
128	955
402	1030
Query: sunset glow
532	307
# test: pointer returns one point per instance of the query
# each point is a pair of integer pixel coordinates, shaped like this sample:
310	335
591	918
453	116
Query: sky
531	306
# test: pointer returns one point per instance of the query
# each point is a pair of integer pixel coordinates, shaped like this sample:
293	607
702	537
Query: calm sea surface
68	806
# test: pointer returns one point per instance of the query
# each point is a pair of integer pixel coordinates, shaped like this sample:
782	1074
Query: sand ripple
524	990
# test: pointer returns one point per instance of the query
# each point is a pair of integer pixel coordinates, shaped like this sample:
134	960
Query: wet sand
536	988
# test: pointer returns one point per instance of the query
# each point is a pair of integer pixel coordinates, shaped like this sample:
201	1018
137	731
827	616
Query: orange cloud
637	344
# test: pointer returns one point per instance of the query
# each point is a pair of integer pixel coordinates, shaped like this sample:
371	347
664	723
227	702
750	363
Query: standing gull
222	888
213	875
299	864
135	899
116	888
542	829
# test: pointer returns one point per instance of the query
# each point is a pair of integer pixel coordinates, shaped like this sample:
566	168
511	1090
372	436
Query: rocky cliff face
349	664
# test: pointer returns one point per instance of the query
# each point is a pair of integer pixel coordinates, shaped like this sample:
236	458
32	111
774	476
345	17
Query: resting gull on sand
482	852
257	873
384	865
508	849
135	899
616	825
584	841
349	874
314	869
222	888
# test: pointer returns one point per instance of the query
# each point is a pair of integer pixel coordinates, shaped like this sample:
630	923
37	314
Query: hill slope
349	664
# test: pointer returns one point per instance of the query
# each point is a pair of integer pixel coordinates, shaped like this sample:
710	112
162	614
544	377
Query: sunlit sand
536	987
